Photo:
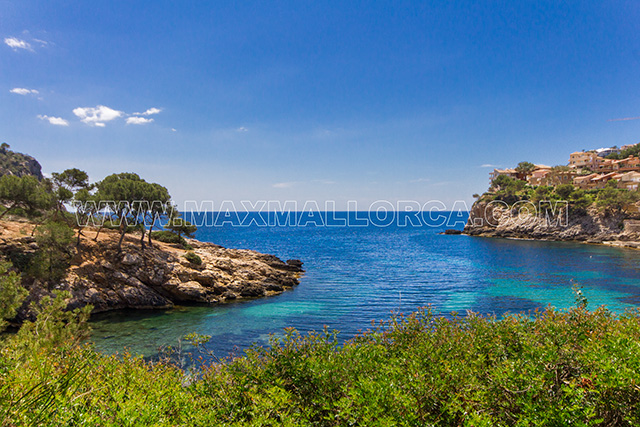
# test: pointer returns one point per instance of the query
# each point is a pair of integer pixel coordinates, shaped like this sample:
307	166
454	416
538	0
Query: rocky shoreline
591	225
157	277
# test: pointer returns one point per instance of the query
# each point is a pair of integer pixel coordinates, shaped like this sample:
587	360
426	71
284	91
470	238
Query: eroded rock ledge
590	225
158	277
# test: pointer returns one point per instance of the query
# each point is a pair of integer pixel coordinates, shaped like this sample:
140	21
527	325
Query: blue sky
316	100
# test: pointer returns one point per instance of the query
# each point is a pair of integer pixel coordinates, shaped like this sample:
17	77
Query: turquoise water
355	275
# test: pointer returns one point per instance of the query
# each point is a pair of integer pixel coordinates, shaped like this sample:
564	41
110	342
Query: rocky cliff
495	219
18	164
154	278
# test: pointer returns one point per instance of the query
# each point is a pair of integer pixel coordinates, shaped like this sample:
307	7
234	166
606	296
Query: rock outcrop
495	219
18	164
153	278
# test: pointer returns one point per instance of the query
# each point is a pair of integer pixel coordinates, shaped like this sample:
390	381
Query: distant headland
593	198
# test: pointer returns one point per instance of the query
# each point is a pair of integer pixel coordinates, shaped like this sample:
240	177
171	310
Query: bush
181	226
580	200
564	191
555	368
614	199
54	250
193	258
11	294
166	236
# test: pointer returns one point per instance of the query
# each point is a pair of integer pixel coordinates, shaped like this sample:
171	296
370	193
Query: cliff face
494	219
18	164
157	277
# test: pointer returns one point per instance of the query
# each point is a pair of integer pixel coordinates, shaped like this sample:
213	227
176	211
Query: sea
360	270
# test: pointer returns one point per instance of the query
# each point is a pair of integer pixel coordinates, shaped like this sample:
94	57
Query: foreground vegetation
571	367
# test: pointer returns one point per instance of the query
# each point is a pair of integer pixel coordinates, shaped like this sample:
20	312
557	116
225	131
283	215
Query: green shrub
553	369
181	226
54	326
54	250
564	191
11	293
614	199
193	258
167	236
559	368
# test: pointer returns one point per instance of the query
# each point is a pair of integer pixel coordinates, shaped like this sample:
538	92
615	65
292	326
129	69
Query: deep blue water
358	274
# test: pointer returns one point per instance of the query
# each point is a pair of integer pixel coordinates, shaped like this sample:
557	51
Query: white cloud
98	115
58	121
138	121
242	129
23	91
417	180
174	130
149	112
488	165
16	44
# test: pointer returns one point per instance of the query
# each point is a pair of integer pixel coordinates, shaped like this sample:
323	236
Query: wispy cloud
17	44
135	120
41	42
149	112
624	119
242	129
58	121
24	91
97	116
284	184
290	184
415	181
488	165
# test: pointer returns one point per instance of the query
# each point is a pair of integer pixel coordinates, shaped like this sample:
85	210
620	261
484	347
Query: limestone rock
131	259
493	219
156	277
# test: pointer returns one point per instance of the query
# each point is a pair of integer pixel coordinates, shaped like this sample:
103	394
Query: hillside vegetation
609	198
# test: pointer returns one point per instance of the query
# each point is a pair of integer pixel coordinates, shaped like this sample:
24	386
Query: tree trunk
80	233
123	230
122	233
142	237
95	239
33	231
150	228
7	211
